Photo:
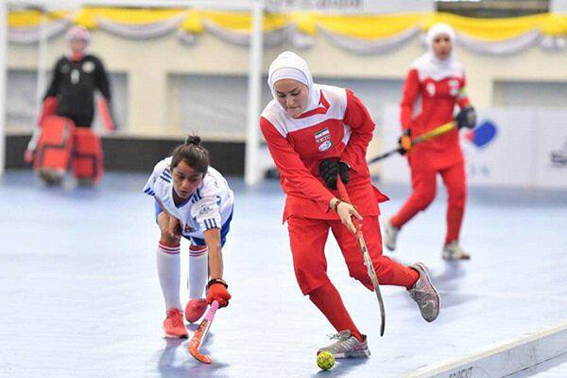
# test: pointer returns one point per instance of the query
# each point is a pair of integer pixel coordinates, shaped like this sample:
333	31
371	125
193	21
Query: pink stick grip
212	310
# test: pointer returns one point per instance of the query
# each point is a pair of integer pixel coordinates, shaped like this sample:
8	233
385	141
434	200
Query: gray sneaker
390	235
425	294
347	346
453	251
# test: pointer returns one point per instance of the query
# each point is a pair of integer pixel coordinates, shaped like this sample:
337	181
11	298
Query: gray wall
530	94
21	107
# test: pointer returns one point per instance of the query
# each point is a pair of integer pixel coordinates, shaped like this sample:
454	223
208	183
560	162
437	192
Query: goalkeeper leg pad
54	148
87	157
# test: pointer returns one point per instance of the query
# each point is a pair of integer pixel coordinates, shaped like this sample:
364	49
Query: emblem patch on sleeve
206	210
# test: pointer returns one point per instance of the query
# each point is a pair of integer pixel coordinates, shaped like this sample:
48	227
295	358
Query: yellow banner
29	19
367	27
87	17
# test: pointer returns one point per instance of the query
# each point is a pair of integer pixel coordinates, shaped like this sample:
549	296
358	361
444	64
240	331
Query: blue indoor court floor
80	296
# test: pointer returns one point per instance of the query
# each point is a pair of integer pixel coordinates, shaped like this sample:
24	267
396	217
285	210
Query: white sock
198	270
168	272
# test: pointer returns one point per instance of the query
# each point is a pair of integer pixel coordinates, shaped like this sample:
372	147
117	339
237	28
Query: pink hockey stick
201	333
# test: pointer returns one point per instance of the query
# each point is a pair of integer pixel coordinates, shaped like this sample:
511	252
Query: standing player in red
315	132
435	84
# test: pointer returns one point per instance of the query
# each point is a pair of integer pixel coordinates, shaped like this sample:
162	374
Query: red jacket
430	95
339	128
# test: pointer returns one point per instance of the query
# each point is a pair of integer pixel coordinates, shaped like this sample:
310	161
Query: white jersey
210	205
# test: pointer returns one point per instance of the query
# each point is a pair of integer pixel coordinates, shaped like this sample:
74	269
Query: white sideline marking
501	360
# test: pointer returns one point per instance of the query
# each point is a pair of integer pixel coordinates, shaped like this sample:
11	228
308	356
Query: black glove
466	117
328	170
405	142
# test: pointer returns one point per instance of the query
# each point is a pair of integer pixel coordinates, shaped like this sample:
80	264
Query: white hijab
438	29
289	65
439	68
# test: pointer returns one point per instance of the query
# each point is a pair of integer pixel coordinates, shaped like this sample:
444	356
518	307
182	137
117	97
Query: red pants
308	237
424	187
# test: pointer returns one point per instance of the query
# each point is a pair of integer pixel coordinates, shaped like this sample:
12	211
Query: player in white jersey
192	200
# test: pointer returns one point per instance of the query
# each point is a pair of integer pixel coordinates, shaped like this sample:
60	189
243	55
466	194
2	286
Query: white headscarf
438	29
289	65
438	68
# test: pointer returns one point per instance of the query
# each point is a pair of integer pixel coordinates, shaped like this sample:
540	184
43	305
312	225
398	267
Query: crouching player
192	200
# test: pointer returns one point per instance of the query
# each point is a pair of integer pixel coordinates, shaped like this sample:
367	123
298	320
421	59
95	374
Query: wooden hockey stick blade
196	341
200	335
366	255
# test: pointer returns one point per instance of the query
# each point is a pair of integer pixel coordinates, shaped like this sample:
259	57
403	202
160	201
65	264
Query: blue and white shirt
210	205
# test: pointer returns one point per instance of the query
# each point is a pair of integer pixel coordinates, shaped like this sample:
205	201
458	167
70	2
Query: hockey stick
443	129
366	255
201	333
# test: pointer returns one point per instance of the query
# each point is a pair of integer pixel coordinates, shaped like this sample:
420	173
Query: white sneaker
453	251
347	346
390	235
425	294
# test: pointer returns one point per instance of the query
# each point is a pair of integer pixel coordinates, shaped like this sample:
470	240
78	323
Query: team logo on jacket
325	146
188	229
75	76
323	139
88	67
323	135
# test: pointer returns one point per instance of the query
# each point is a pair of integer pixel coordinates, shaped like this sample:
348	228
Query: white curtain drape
142	31
368	47
31	35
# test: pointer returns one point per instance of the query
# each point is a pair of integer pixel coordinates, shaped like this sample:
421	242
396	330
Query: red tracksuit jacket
340	127
429	98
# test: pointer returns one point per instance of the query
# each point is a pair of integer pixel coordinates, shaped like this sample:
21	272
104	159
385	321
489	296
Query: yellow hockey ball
325	360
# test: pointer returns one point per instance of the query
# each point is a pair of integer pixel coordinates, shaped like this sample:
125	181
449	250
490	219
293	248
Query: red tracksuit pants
424	186
308	237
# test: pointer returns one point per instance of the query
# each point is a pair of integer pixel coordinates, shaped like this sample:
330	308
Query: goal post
3	73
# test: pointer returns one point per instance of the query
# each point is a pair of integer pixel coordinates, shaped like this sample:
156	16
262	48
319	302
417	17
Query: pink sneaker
195	309
173	324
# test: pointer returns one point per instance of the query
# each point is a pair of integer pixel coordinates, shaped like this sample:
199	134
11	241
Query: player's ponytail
193	139
192	153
